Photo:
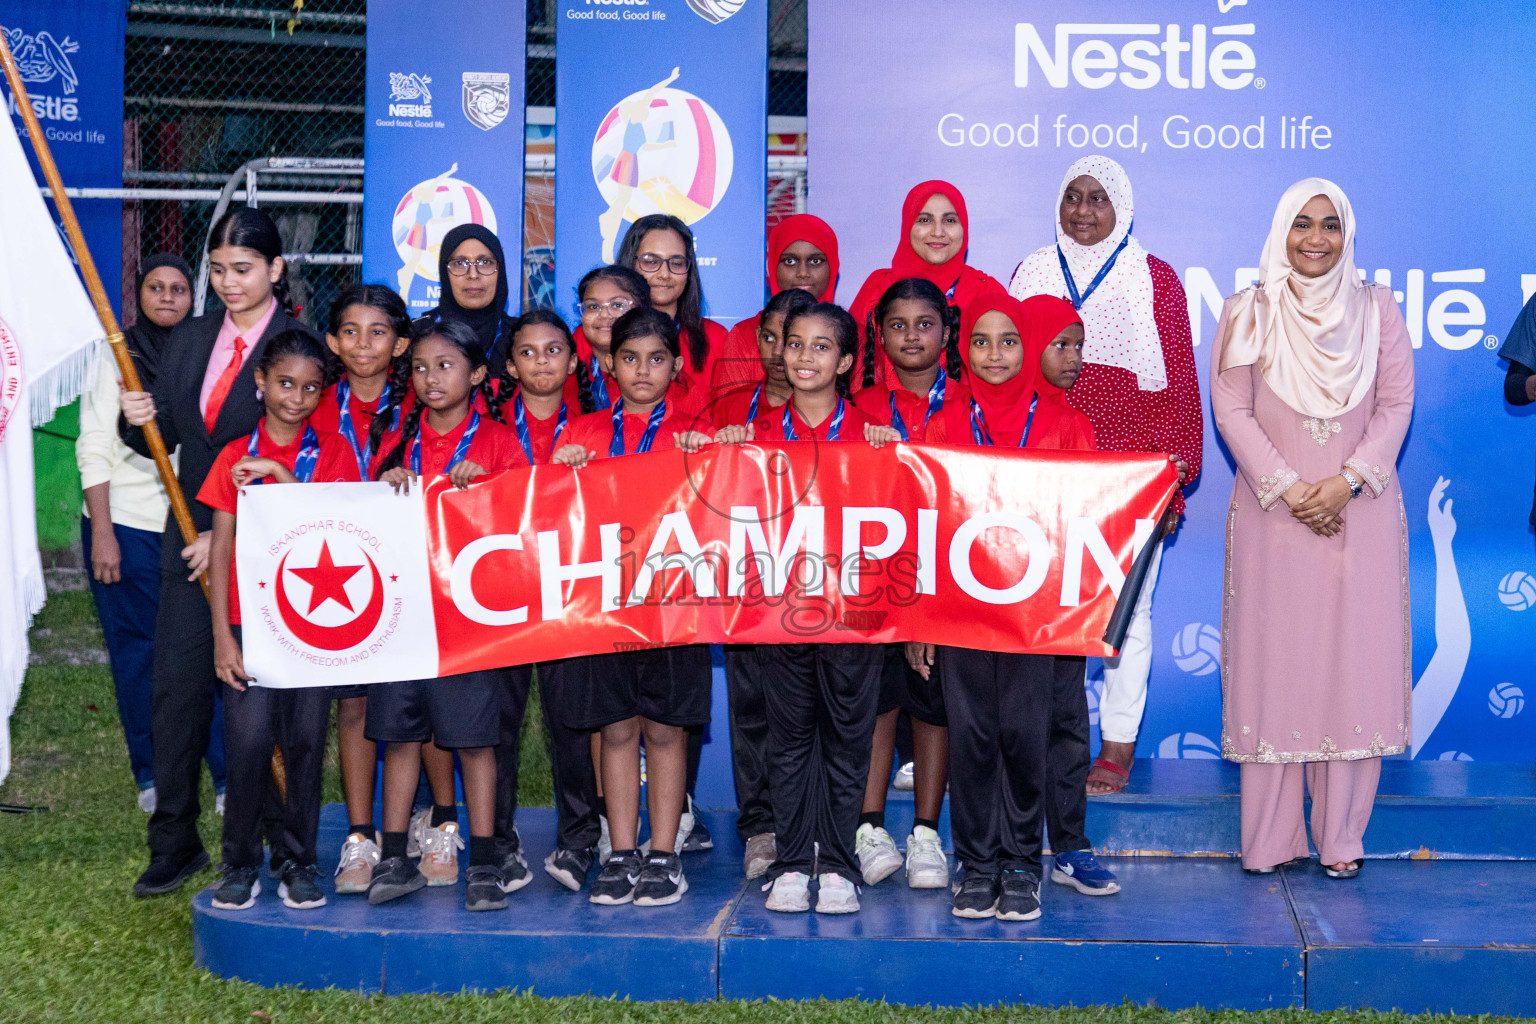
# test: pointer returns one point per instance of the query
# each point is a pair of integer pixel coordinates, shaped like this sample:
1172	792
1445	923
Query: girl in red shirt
740	403
604	295
369	332
445	434
916	330
284	448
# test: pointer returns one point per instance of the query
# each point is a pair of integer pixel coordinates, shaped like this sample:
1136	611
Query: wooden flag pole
130	374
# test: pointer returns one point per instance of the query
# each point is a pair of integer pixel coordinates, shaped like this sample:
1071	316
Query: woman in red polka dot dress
1138	387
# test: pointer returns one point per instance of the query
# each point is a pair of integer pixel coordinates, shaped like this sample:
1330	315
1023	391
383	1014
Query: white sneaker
684	828
604	841
359	856
419	820
440	853
218	805
878	856
905	782
790	893
147	800
837	895
760	854
927	867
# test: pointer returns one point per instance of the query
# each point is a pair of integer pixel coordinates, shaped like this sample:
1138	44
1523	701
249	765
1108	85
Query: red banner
979	547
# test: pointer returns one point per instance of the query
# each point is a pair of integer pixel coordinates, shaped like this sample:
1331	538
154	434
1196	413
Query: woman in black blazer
203	398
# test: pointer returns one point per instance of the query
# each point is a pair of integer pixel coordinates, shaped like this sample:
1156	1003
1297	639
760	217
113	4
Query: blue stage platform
1418	935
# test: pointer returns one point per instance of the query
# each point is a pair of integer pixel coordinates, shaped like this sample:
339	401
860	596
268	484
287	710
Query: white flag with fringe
49	340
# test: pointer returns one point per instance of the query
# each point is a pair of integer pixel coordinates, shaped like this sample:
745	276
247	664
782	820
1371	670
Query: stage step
1410	935
1441	810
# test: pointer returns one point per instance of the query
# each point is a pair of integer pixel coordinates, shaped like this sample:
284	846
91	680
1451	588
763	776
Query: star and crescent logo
328	583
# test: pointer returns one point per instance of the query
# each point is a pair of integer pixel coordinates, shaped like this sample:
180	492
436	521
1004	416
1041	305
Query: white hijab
1120	327
1316	339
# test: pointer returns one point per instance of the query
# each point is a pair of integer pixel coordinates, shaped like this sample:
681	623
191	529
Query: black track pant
821	701
181	713
570	759
255	719
1067	758
749	739
999	709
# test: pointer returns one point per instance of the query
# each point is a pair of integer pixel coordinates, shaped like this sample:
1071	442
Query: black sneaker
299	889
280	862
976	897
616	885
1019	899
394	877
166	874
514	871
483	888
569	867
238	889
661	881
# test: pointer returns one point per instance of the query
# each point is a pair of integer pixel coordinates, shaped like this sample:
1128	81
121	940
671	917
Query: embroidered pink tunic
1315	640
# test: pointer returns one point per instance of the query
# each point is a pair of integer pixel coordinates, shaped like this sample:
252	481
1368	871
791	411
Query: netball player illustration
624	169
415	236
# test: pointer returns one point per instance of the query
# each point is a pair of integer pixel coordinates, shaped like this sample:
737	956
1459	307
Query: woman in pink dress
1313	392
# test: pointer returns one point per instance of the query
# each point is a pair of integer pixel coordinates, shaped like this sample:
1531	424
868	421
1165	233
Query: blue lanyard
599	384
979	427
304	465
935	403
1109	264
364	453
520	419
458	453
757	393
832	431
616	446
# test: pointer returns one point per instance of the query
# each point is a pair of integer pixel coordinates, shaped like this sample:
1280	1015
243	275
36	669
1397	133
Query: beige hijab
1314	338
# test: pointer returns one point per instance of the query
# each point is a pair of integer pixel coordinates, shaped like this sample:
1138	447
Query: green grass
75	946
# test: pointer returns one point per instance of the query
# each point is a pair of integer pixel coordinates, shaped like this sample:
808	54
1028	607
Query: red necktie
221	387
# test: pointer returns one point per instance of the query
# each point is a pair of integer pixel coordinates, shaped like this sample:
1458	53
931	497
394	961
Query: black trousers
570	759
181	713
1068	757
254	720
749	739
821	701
999	709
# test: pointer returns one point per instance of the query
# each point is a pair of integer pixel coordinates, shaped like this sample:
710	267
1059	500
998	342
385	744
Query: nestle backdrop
71	60
1420	112
634	138
443	136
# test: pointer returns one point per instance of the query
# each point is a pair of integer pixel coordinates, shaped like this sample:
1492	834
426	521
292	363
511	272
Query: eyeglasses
650	263
618	307
484	265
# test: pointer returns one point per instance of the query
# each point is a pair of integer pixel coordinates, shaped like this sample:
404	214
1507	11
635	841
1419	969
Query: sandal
1353	871
1111	775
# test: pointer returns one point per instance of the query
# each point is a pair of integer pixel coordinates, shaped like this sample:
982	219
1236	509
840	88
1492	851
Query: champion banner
1000	550
1214	107
443	136
71	60
662	107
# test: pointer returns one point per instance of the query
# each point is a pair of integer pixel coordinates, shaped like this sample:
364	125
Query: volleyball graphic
1197	649
716	11
661	150
1189	746
427	211
1506	700
1517	591
1454	755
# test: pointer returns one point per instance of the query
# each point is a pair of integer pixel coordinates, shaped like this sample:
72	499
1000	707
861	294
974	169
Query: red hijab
802	227
959	282
1004	407
1045	316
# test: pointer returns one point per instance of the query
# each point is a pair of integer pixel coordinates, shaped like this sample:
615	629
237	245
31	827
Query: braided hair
506	384
844	329
462	337
386	301
920	290
246	227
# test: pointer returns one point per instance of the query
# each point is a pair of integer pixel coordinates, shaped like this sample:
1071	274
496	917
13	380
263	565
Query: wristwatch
1353	481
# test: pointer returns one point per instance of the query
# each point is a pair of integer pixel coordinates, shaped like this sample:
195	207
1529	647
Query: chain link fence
212	86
